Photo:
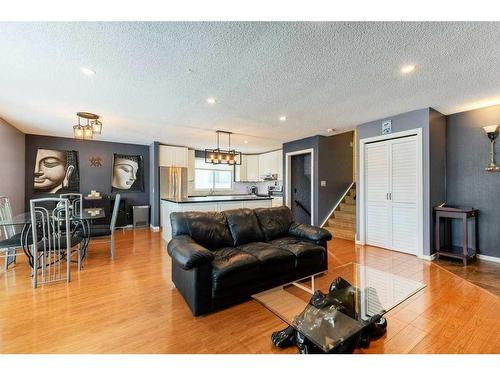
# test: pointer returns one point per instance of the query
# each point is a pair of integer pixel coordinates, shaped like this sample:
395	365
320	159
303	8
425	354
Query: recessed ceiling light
88	71
283	118
211	101
245	141
407	69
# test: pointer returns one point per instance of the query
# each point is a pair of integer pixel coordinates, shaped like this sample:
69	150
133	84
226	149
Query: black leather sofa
222	258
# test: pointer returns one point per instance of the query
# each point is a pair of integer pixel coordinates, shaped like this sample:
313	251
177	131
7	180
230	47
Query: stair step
343	224
347	207
352	192
345	215
350	200
342	233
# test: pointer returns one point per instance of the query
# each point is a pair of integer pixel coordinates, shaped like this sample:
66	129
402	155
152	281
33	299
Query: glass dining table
81	221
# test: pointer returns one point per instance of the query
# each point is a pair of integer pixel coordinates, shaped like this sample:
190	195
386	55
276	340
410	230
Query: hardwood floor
482	273
130	306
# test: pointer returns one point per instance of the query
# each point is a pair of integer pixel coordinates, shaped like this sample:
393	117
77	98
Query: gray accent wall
12	165
437	165
467	182
302	144
333	158
335	167
154	178
91	178
407	121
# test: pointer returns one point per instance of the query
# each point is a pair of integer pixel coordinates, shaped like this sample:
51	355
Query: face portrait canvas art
128	173
56	172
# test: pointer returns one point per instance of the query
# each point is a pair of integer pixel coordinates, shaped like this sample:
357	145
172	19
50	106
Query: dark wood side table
469	246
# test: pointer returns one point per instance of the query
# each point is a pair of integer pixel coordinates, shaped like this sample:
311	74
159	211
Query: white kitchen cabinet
257	204
265	163
279	157
253	168
277	201
191	165
173	156
271	163
240	171
223	206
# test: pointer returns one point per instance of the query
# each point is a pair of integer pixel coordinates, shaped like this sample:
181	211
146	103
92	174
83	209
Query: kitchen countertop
218	198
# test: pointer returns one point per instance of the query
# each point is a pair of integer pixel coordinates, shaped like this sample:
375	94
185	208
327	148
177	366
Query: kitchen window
212	177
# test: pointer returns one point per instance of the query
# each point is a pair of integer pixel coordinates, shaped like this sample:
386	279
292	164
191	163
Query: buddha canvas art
56	172
128	173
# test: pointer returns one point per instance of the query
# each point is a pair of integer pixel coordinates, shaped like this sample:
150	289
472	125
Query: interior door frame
288	160
420	182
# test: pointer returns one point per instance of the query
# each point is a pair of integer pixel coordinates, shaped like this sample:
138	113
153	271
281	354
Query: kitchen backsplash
243	187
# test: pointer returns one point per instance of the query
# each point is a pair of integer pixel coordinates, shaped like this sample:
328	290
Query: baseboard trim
488	258
154	228
427	257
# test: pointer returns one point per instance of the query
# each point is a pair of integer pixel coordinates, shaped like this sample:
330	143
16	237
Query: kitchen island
207	203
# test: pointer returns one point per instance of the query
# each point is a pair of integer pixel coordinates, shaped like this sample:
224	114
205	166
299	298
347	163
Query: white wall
12	143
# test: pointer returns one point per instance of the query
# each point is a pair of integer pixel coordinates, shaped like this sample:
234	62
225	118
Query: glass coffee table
345	312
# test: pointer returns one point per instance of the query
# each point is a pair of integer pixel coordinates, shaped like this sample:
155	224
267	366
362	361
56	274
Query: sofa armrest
309	232
187	253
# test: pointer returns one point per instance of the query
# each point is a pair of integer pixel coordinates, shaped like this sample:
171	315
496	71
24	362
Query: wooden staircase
342	223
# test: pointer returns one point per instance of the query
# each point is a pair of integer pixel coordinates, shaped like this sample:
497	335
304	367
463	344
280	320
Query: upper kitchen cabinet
270	163
240	171
191	165
173	156
254	168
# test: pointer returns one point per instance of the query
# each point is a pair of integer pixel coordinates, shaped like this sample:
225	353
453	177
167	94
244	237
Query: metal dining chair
75	202
103	231
12	239
57	239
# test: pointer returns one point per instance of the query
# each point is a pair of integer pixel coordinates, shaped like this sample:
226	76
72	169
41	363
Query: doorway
300	180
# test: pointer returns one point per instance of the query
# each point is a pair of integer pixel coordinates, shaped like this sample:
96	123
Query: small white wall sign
387	127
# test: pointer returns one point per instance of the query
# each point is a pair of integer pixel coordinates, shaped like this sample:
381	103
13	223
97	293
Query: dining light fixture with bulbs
219	156
492	132
87	131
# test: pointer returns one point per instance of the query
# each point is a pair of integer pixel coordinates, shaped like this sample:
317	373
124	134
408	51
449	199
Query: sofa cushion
232	267
274	221
244	226
209	229
306	253
272	259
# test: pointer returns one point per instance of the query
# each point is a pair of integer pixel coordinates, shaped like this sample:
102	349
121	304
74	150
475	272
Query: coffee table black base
289	336
341	295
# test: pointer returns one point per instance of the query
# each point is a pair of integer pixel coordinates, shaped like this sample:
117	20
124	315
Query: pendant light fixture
93	126
218	156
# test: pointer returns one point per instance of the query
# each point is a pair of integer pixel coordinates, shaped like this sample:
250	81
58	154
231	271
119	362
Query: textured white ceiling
153	78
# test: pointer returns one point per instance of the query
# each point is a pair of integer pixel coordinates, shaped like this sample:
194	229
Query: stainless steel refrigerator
173	183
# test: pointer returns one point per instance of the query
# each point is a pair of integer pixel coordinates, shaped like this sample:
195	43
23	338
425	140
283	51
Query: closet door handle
387	196
390	196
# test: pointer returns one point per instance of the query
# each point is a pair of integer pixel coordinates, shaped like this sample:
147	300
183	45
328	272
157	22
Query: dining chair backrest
75	202
6	214
114	216
53	229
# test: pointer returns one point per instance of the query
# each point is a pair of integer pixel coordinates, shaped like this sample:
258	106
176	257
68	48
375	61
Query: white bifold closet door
391	194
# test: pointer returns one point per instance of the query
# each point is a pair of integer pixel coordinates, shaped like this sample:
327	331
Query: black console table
469	246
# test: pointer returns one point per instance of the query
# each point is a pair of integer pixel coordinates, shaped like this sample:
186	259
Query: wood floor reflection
130	306
479	272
